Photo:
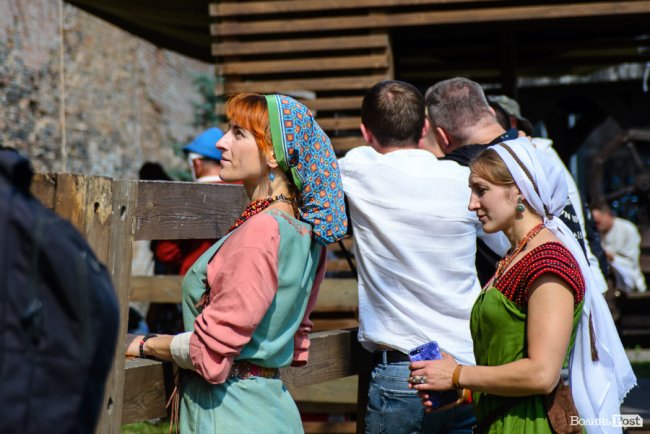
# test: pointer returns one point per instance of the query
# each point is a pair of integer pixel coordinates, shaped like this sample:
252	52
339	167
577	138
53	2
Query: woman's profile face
493	204
241	159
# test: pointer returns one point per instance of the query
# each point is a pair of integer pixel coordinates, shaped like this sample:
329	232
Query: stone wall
126	101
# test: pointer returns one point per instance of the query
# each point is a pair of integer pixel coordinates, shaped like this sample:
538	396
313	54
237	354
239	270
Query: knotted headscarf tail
598	386
305	153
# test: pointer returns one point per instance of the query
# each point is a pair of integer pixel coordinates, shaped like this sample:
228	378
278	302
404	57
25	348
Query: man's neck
485	134
388	149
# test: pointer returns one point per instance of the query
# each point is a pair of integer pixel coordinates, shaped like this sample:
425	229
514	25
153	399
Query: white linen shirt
415	246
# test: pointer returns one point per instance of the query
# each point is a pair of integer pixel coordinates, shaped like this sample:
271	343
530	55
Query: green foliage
205	113
159	427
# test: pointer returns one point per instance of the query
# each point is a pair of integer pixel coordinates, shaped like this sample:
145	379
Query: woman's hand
428	404
434	375
132	345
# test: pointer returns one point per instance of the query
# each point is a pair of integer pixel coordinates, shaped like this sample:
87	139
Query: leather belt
392	356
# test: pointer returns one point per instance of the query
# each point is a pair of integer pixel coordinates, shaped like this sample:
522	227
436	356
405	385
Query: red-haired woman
246	301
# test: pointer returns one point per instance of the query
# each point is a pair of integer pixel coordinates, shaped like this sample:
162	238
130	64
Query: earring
520	208
271	176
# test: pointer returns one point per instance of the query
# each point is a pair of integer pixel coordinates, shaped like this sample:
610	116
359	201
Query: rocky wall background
126	101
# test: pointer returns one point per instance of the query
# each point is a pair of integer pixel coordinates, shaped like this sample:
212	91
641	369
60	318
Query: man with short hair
414	242
204	157
462	125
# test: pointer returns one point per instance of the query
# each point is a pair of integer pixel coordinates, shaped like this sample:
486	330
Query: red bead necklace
507	259
256	207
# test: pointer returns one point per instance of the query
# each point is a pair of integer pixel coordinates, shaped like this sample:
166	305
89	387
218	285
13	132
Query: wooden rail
111	214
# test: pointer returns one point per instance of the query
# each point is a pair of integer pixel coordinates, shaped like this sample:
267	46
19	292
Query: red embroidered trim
547	258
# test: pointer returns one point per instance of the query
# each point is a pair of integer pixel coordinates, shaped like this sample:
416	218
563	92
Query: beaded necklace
256	207
507	259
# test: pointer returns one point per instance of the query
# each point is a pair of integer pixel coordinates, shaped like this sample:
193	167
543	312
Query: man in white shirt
415	245
622	243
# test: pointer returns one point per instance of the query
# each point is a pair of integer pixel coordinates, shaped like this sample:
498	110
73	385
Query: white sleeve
180	349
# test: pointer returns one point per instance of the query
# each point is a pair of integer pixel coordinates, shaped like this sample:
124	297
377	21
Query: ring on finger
418	379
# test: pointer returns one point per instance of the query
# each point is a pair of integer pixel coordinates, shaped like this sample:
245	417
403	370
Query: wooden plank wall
329	52
327	70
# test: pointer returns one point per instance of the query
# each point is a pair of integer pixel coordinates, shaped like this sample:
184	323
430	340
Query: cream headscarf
598	386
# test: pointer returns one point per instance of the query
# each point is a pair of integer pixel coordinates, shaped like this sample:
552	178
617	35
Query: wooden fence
111	214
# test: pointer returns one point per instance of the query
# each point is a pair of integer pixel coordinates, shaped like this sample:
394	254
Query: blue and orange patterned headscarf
305	153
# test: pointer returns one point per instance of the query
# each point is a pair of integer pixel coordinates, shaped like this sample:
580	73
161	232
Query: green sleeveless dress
256	404
498	327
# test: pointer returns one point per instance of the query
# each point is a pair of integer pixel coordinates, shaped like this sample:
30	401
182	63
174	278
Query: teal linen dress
498	327
255	404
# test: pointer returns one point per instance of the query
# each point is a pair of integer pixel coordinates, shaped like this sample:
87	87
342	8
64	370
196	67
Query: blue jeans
393	408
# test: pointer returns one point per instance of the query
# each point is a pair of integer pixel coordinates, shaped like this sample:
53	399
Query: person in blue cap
204	157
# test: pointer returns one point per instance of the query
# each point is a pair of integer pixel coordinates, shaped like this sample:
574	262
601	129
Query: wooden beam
338	43
342	123
180	210
314	84
229	9
332	355
156	289
43	188
312	64
119	265
335	295
335	103
144	395
329	427
342	144
433	18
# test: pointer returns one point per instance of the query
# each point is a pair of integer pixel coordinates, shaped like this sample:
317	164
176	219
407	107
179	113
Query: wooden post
120	239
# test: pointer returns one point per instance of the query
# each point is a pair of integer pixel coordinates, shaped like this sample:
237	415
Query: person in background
541	307
622	243
415	243
247	299
177	256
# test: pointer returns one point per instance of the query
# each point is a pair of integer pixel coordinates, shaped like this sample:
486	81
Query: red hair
249	111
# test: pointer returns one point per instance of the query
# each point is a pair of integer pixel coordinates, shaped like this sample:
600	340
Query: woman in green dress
246	301
527	319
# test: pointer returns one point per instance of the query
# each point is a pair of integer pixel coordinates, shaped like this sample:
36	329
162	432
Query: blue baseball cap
205	144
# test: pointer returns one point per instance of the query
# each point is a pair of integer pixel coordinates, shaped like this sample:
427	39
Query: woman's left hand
432	375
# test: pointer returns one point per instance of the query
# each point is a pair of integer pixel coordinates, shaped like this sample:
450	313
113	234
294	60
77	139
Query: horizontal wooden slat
339	63
144	391
175	210
339	43
314	84
226	9
325	324
336	295
342	123
156	289
332	355
342	144
465	16
335	103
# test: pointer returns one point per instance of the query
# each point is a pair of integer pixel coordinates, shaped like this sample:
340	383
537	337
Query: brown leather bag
560	409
